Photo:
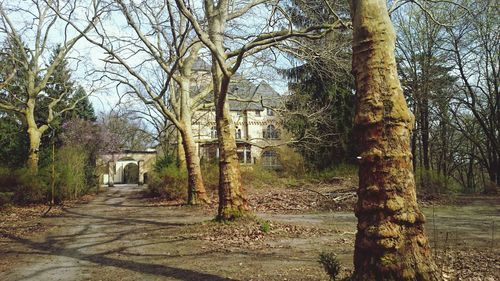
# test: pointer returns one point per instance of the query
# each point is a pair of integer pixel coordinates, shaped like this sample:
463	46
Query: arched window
270	112
271	133
213	132
238	134
270	159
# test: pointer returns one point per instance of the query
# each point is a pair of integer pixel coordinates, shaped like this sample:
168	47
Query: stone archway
128	166
131	173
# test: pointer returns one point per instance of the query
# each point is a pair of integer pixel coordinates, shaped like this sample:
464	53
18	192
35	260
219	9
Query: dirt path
120	236
115	237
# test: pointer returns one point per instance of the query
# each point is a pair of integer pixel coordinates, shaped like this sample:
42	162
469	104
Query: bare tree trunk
232	203
181	156
390	243
498	170
34	135
34	138
196	186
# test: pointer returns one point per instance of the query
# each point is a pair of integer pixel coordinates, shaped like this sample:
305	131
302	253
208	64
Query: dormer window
270	112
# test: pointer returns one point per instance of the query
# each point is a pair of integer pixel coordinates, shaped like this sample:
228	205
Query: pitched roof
245	95
201	65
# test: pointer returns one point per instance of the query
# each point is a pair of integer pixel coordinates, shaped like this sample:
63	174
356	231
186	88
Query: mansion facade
257	126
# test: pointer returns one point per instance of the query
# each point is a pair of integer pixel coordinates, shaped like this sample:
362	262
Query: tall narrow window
270	159
238	134
213	132
271	133
270	112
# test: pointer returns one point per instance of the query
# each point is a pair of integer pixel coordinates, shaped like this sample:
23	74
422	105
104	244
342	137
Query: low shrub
168	183
71	181
259	176
31	190
292	162
332	266
265	226
6	198
340	170
431	182
490	188
210	173
163	162
20	187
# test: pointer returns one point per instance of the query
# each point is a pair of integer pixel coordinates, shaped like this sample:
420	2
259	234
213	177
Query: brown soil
121	236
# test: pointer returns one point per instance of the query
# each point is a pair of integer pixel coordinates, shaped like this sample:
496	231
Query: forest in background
353	80
447	58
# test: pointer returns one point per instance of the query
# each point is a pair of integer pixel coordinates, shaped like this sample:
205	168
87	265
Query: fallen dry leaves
22	221
249	233
338	195
469	264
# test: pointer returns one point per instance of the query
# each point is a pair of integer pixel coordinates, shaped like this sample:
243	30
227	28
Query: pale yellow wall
250	124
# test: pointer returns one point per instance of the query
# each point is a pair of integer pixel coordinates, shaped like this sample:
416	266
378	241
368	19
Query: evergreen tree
326	140
13	141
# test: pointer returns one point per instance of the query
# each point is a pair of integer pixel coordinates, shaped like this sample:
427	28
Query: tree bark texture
232	202
181	156
196	186
390	242
34	135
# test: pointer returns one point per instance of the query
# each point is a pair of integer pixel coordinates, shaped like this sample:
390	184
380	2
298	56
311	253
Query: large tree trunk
390	242
196	187
232	203
34	135
181	155
425	132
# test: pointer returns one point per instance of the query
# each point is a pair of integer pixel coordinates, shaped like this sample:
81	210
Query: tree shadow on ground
49	247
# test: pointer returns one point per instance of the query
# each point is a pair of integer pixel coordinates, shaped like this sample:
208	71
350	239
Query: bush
340	170
490	188
210	173
6	198
20	187
259	176
330	264
163	162
169	183
8	180
265	226
292	162
71	181
435	183
73	178
31	190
